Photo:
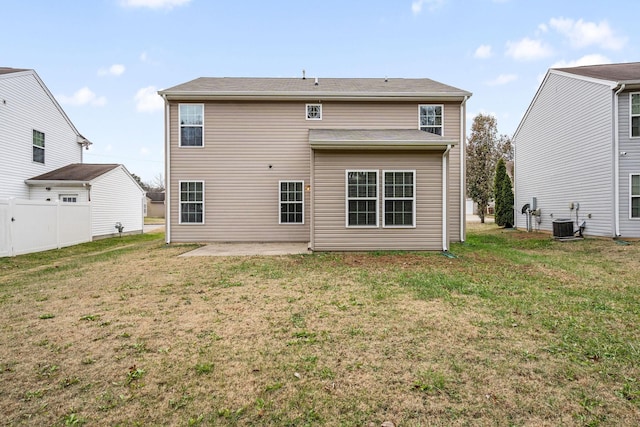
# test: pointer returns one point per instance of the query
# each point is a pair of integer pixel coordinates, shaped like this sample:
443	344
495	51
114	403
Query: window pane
635	207
38	154
191	136
635	185
191	114
635	126
635	103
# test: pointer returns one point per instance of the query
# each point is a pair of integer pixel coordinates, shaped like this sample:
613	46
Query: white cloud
593	59
483	52
148	100
154	4
502	79
83	96
114	70
582	34
416	6
527	50
144	57
542	28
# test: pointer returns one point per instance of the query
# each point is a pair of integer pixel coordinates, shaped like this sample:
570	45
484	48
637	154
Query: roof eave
378	145
55	183
305	96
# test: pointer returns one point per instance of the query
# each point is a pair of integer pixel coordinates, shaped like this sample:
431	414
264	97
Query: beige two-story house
344	164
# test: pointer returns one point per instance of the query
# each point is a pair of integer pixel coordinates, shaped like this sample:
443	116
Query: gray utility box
562	228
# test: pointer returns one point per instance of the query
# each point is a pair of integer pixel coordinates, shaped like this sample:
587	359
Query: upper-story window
38	146
635	115
314	111
431	118
191	117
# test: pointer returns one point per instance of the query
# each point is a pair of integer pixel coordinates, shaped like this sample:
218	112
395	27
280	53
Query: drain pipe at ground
445	157
616	163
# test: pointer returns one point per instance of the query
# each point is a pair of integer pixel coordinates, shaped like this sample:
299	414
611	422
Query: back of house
344	164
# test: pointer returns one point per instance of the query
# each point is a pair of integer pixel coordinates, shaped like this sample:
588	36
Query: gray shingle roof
76	172
8	70
242	86
614	72
381	138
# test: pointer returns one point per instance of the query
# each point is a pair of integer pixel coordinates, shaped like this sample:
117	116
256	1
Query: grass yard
517	330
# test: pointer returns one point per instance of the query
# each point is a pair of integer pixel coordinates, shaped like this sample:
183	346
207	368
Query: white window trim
306	111
180	128
384	198
280	202
347	198
631	196
432	105
631	115
180	203
62	196
33	145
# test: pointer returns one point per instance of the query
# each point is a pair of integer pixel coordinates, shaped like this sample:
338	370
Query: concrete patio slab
249	249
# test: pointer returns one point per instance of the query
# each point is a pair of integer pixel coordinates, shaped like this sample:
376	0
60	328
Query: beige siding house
344	164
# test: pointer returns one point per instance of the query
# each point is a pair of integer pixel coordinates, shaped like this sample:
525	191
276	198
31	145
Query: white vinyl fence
31	225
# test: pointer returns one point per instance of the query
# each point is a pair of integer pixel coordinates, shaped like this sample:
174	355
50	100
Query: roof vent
304	75
316	82
386	79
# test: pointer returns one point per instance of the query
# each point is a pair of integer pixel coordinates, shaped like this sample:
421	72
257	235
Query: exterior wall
115	197
155	209
564	154
41	193
330	228
28	106
241	141
629	164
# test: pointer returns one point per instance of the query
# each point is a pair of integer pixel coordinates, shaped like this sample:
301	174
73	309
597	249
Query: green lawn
516	330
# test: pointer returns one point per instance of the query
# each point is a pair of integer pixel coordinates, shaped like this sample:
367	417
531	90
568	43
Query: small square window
314	111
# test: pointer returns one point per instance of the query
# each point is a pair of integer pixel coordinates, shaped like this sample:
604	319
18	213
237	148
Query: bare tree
157	183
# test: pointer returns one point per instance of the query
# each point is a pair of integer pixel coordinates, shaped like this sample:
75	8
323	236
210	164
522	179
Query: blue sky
104	60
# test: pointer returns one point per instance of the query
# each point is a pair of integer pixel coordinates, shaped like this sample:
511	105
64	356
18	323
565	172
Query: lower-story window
399	198
69	198
191	202
291	202
634	195
362	198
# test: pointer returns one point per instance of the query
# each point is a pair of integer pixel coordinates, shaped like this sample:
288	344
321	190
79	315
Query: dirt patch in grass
539	333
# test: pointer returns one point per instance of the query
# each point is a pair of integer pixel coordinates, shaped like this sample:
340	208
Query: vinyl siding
331	232
41	193
115	197
564	154
629	164
242	139
28	106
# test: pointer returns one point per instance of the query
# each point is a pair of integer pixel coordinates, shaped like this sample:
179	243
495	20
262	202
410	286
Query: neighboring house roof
371	138
7	71
620	73
79	172
156	196
320	88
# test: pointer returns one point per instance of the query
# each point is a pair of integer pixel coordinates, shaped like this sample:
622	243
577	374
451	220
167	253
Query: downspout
616	163
445	237
167	171
463	186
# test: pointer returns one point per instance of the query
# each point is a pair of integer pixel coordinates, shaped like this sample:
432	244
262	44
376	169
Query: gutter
167	172
463	192
305	96
616	162
445	238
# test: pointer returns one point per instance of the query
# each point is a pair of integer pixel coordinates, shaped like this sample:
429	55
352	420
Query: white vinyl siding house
114	195
36	136
270	150
574	151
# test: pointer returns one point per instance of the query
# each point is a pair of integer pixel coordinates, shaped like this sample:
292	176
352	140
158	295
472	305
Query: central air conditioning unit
562	228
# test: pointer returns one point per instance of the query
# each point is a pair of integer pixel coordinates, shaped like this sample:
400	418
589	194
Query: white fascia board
55	183
305	96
